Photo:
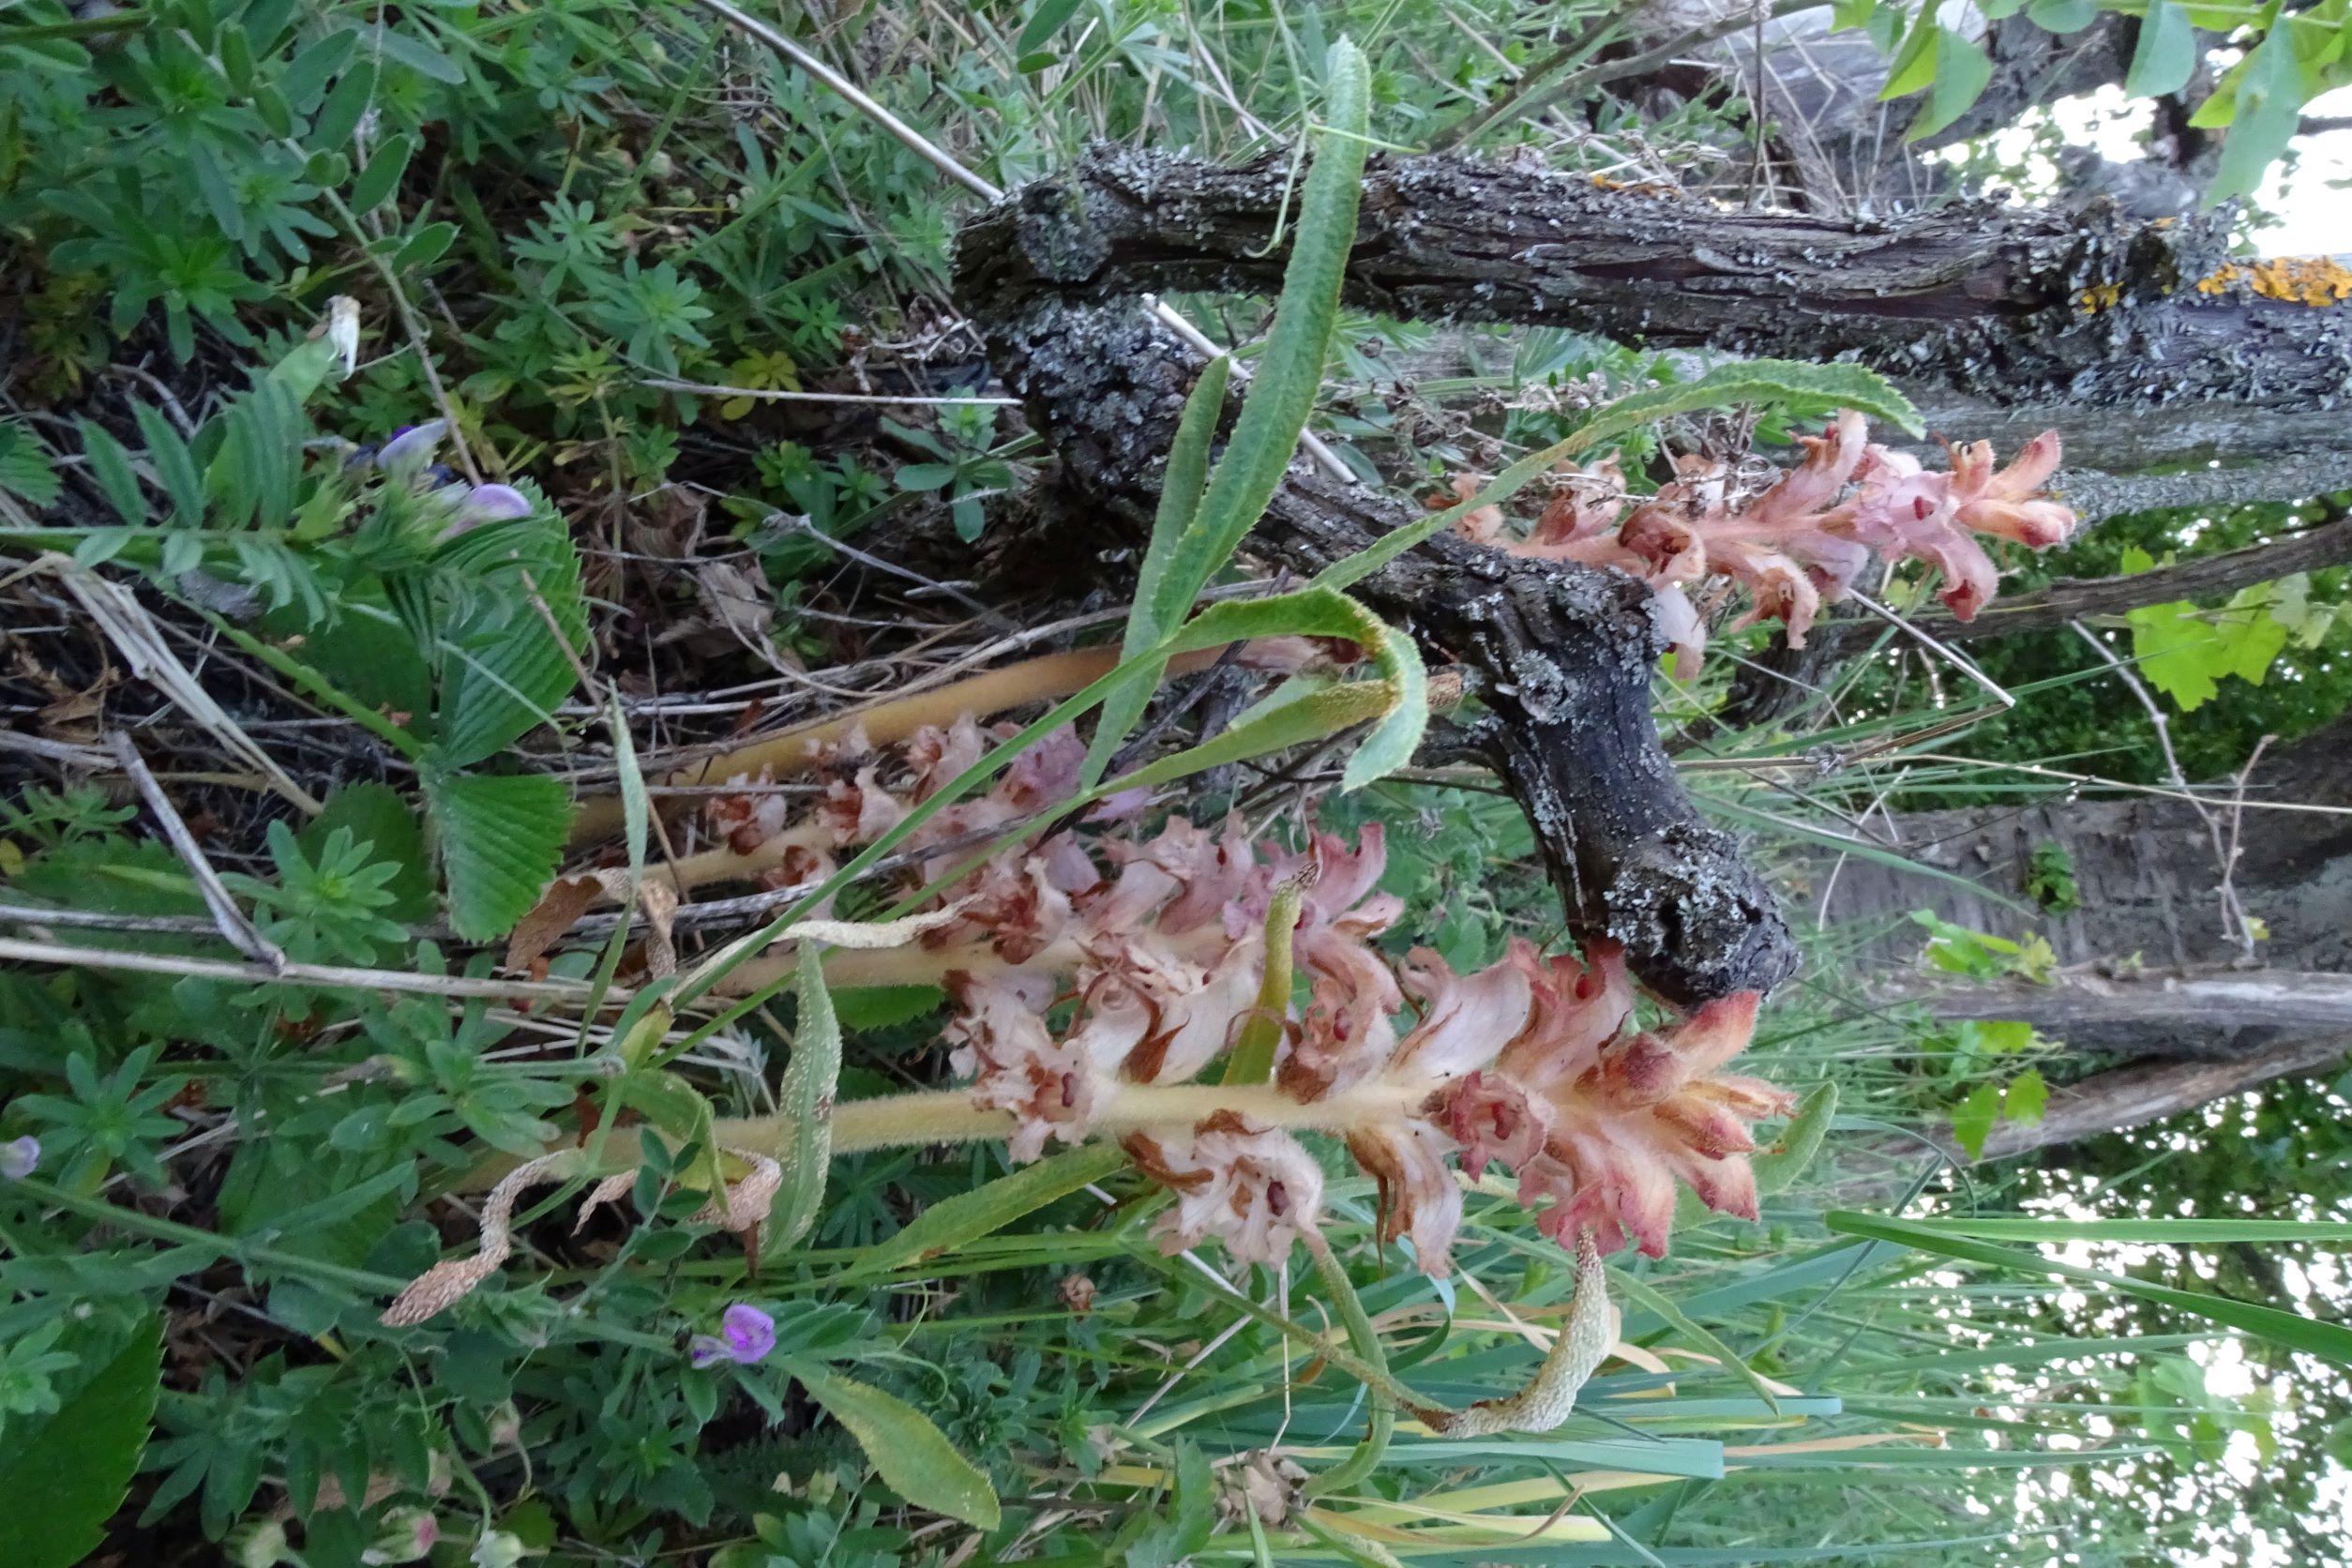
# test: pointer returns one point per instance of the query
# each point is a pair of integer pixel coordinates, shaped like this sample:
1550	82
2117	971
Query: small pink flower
1252	1187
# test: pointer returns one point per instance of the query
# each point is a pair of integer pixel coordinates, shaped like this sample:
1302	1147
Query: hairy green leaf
501	837
913	1459
983	1211
806	1100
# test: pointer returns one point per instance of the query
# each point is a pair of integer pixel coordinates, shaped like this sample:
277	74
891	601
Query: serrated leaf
863	1007
2167	53
806	1102
109	464
501	837
25	471
382	174
67	1471
168	456
1972	1119
2173	648
499	669
2027	1096
378	817
913	1456
1962	69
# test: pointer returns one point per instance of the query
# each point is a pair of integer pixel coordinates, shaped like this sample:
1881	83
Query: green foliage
500	836
913	1457
70	1447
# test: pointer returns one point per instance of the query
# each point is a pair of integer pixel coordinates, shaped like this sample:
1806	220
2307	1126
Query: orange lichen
2318	281
2099	297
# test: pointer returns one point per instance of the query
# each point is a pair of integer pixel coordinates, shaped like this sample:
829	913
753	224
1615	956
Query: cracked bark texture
1991	304
1562	654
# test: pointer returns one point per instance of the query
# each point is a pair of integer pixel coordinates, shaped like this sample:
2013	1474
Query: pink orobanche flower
1801	543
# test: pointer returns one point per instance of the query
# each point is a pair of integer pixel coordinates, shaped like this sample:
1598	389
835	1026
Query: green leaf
66	1472
2166	54
501	670
378	817
2063	16
501	837
2328	1341
2174	647
1042	23
1962	69
863	1007
967	1216
913	1459
1972	1119
1181	489
173	464
1630	1288
1290	371
2267	109
1777	1170
1747	381
26	472
1394	740
109	464
1914	64
425	247
339	116
1191	1517
926	476
382	174
805	1101
2026	1097
2208	1233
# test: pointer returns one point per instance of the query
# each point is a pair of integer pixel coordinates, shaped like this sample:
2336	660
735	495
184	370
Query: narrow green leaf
109	464
168	456
967	1216
1043	23
1180	489
1630	1288
501	837
1252	1060
2208	1233
65	1472
382	174
1364	1340
1290	371
2328	1341
2167	53
806	1100
861	1007
913	1459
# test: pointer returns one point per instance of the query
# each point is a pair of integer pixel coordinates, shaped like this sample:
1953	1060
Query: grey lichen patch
1695	918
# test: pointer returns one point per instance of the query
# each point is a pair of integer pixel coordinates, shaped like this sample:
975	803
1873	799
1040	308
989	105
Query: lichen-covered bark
2086	311
1562	655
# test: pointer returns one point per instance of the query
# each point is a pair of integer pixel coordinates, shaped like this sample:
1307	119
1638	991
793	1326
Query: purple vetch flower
745	1335
492	504
19	1158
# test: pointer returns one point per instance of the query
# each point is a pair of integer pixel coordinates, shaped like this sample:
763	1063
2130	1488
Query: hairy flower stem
948	1116
993	691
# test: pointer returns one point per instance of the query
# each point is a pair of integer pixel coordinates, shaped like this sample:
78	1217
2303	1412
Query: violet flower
745	1335
21	1157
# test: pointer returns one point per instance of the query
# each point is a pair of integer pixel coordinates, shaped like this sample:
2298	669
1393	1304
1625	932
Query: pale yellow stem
1038	680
